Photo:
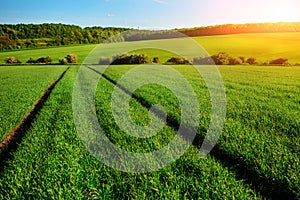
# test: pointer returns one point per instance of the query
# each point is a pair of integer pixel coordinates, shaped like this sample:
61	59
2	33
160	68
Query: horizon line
152	28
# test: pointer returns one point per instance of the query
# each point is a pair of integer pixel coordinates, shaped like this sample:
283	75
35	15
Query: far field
263	46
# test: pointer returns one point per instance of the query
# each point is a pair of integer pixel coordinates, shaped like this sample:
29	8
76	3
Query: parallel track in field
234	162
17	132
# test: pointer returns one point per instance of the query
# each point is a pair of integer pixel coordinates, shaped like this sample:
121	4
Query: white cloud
110	15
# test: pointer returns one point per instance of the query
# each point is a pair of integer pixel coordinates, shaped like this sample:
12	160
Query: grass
262	125
263	46
256	157
20	87
58	166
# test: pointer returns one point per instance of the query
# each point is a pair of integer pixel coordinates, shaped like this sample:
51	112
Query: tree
63	61
279	61
71	58
178	60
131	59
156	60
221	58
31	61
243	59
6	43
235	61
44	60
251	61
12	60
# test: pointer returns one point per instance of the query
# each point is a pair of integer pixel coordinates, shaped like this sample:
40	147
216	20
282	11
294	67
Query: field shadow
243	169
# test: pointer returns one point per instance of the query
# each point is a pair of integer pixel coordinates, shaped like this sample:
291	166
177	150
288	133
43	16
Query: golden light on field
243	11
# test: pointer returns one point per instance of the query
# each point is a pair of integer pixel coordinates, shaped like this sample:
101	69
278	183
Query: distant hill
21	36
228	29
44	35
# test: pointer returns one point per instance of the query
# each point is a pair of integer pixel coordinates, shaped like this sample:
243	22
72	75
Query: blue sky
150	14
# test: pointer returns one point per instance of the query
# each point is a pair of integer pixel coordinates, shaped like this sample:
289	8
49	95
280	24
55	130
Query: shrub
235	61
156	60
71	58
121	59
44	60
131	59
251	61
12	60
140	59
221	58
31	61
279	61
243	59
105	61
178	61
63	61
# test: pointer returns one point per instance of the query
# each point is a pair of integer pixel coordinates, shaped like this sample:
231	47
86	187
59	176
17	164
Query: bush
235	61
12	60
251	61
243	59
221	58
178	61
31	61
105	61
71	58
63	61
156	60
279	61
44	60
131	59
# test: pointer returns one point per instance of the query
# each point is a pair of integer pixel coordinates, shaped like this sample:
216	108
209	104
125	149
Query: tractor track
16	133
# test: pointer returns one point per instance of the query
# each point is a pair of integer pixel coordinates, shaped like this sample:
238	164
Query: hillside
22	36
228	29
263	46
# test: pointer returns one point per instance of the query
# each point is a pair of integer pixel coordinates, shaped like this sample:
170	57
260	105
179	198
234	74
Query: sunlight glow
283	11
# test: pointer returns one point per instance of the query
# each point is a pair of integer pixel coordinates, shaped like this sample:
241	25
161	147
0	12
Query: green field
263	46
20	87
257	155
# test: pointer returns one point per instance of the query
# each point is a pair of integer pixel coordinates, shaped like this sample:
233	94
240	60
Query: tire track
269	189
16	133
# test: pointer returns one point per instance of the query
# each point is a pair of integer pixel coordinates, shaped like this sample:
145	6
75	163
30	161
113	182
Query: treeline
69	59
242	28
221	58
226	29
42	35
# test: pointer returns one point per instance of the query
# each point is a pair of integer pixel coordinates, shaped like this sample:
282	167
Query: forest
227	29
22	36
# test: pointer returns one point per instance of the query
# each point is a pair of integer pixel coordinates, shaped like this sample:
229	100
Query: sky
148	14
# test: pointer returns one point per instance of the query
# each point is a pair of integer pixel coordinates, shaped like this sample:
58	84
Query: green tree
71	58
